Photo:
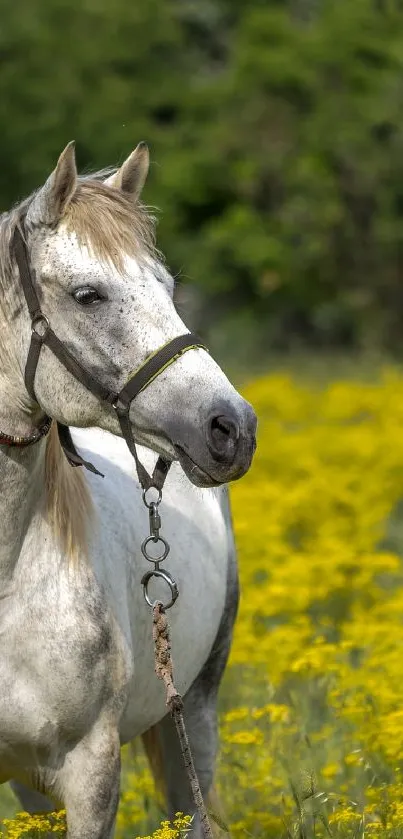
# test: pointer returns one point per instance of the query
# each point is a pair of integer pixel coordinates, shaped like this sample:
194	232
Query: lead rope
164	671
162	651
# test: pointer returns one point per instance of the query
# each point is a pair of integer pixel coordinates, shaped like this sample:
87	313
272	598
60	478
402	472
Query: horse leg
88	784
200	713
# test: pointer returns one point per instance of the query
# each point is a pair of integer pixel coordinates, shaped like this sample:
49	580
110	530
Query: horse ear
52	200
131	176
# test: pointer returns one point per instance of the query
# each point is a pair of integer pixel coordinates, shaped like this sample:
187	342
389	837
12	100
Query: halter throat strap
156	363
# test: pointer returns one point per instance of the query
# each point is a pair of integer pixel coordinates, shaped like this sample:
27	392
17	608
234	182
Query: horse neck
22	471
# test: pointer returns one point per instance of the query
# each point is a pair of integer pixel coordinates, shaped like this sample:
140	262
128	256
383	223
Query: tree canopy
276	137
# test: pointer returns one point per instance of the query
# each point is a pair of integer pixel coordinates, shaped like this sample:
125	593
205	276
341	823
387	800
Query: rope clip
152	543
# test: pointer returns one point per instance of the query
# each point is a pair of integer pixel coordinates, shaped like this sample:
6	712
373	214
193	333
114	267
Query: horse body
93	622
76	652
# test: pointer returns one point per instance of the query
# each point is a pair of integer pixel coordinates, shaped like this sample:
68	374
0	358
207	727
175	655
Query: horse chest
194	525
194	620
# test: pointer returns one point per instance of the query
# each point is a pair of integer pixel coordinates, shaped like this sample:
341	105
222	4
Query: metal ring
40	319
148	503
163	575
155	541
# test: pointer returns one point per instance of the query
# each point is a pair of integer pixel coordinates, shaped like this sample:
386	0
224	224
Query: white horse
76	655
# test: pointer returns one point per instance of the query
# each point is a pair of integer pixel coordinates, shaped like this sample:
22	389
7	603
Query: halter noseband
42	333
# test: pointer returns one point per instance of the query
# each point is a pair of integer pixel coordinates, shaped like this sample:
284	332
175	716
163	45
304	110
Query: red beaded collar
34	437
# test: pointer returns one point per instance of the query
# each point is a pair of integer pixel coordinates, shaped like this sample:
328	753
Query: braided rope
164	671
30	439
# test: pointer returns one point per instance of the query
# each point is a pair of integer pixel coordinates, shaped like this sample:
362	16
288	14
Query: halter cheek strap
42	334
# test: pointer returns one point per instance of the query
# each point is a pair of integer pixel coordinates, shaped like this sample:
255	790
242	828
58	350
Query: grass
8	802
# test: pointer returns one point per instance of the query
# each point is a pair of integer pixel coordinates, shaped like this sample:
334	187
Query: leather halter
42	334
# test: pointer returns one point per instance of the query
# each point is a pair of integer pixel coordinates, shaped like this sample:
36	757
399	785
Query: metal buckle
38	319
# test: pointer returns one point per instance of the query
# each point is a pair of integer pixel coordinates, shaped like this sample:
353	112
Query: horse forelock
106	220
109	223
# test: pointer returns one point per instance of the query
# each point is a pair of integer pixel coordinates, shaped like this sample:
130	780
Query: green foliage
276	138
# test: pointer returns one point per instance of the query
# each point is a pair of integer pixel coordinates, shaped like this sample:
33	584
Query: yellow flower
246	738
330	770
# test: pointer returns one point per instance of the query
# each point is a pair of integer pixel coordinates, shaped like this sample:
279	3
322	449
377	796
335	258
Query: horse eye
86	294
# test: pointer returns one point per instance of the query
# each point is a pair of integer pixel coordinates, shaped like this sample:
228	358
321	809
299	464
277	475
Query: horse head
107	295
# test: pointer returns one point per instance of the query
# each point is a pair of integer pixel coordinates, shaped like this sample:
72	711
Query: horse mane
111	226
68	502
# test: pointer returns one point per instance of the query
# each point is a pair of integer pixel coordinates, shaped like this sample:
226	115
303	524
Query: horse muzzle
223	447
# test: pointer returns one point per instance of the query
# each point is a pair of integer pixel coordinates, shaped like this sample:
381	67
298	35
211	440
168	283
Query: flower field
315	734
312	703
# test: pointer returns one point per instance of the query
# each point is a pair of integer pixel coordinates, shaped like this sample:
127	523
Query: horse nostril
223	434
221	426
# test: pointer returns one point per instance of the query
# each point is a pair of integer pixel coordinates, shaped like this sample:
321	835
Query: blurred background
276	137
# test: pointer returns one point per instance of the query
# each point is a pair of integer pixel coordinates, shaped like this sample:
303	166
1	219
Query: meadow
311	716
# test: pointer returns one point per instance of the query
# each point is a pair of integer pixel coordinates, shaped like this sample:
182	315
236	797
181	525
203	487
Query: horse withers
76	653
